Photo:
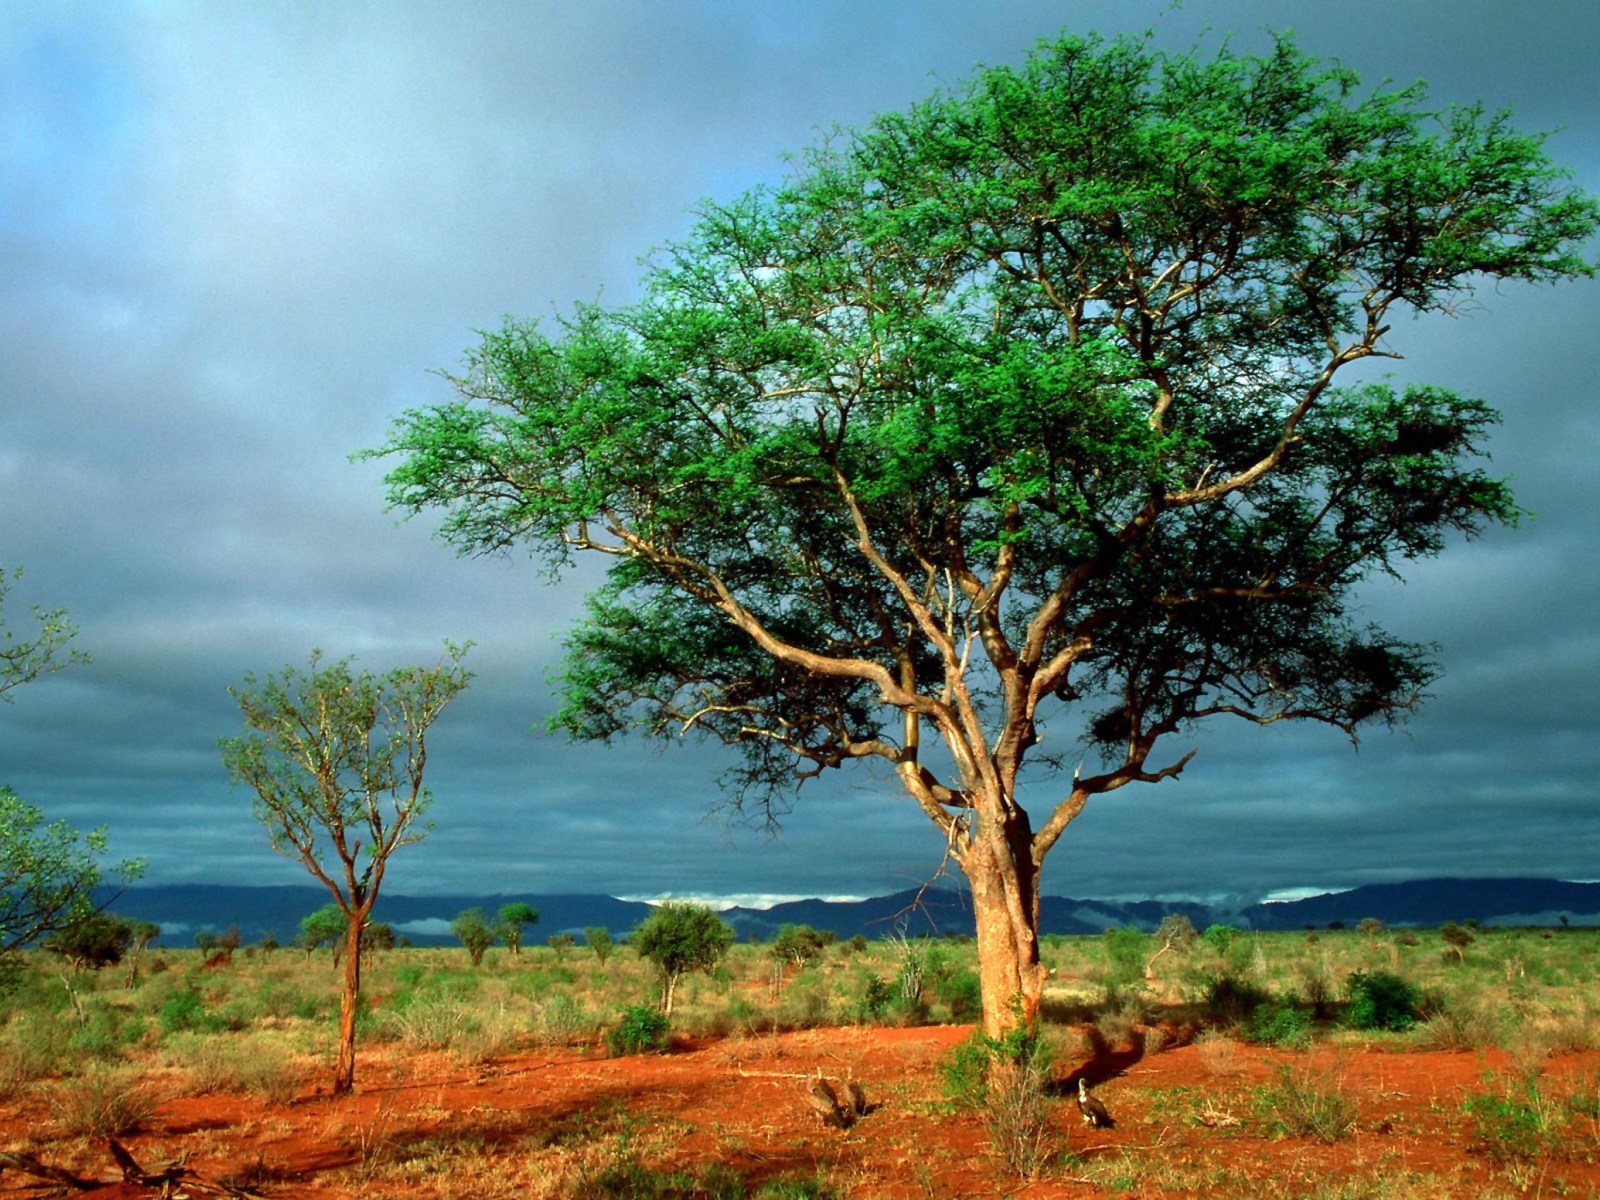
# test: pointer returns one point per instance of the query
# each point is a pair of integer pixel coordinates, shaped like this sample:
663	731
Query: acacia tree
512	919
335	760
473	931
24	660
679	937
327	924
49	872
1012	420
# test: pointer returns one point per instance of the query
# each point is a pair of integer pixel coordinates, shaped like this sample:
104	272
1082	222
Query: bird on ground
1094	1113
824	1101
855	1098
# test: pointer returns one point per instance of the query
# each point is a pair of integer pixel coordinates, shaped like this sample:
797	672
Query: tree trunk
1005	904
344	1065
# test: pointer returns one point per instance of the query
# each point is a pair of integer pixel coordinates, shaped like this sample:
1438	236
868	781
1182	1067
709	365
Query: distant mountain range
183	909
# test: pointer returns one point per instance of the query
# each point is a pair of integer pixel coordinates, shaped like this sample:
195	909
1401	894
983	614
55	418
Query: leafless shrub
1309	1104
1219	1053
1016	1116
102	1102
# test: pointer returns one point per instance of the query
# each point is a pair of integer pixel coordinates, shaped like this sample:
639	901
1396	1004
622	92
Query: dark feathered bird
824	1101
1094	1113
856	1098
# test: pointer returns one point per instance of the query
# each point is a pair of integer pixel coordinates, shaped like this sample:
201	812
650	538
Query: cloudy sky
236	239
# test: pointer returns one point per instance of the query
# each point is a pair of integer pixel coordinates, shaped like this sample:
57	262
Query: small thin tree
679	938
598	939
513	917
327	924
474	932
335	759
50	874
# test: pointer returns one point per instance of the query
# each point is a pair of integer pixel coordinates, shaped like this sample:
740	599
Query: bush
598	939
103	1102
435	1021
1381	1000
966	1070
1231	1000
1006	1080
32	1047
562	1020
643	1027
257	1065
94	941
1126	952
1279	1023
1512	1121
1458	938
1016	1116
1463	1022
962	993
805	1002
800	945
740	1016
472	930
1304	1105
875	998
185	1010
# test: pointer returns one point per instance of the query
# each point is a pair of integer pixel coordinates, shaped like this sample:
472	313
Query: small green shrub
275	998
185	1010
874	999
96	1039
1381	1000
642	1028
961	992
623	1177
965	1070
1126	951
795	1189
1511	1121
536	983
1279	1023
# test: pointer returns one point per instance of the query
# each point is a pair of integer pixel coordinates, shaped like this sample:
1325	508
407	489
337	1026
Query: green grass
1281	989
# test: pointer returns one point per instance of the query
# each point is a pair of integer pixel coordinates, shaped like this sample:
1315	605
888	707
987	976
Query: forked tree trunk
1005	905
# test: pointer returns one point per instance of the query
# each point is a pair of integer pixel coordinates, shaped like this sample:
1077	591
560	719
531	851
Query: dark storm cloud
234	241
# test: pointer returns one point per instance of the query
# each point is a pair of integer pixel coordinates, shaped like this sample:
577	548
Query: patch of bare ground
1196	1117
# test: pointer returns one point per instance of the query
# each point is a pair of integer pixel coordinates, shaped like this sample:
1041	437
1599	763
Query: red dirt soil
429	1126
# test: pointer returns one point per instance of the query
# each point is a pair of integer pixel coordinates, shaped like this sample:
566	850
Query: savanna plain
1334	1064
